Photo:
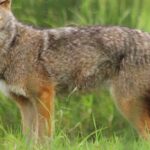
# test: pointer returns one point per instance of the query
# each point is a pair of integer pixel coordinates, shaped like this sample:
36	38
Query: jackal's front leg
37	112
44	104
28	115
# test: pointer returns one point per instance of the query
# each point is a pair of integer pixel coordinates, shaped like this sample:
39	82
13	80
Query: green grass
83	122
94	141
88	121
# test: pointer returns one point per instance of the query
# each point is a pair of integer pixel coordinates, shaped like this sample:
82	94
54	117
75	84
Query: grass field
83	122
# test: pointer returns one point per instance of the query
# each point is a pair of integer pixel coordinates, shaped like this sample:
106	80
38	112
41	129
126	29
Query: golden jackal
34	63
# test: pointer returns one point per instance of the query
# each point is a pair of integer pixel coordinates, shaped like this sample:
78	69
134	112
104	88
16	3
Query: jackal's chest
7	89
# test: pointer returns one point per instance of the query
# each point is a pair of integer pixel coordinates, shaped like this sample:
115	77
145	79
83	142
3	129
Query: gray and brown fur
36	64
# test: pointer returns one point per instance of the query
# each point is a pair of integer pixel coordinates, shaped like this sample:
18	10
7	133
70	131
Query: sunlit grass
61	141
83	122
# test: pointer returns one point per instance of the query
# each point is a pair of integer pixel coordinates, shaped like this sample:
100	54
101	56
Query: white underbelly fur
6	89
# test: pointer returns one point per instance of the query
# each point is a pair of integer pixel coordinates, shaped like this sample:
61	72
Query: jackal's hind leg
137	113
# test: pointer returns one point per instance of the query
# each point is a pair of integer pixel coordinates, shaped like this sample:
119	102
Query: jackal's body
79	57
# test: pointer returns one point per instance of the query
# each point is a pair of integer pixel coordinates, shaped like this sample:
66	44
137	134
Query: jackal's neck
7	36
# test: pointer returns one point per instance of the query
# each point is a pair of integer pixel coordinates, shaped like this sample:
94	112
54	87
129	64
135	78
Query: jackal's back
83	57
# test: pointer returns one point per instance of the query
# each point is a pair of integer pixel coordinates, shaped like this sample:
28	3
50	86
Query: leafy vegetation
83	122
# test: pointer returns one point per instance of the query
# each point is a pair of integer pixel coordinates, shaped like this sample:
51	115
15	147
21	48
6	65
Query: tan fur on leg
37	113
137	114
28	114
45	108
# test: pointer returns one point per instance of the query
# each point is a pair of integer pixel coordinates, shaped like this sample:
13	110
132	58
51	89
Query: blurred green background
52	13
80	115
